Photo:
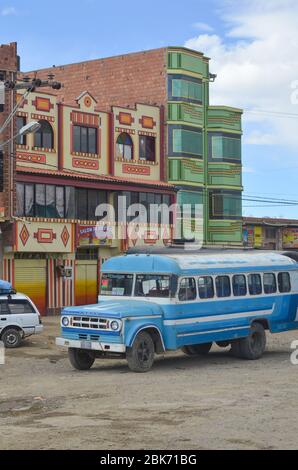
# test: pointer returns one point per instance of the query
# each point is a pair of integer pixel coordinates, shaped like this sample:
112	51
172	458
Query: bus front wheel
140	356
253	346
81	359
197	349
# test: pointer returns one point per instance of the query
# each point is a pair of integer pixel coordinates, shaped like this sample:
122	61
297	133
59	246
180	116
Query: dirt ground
216	402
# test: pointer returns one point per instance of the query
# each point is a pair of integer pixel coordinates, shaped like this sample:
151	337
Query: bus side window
223	286
187	289
206	287
255	284
239	285
284	283
270	286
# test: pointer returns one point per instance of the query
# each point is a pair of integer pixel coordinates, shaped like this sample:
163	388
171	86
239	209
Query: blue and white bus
150	304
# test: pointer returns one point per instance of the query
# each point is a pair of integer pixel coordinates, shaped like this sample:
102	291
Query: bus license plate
86	345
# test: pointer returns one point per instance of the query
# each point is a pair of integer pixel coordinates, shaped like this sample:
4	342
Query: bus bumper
91	345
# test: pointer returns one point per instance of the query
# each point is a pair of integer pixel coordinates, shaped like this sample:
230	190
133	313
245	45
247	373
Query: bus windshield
151	285
119	285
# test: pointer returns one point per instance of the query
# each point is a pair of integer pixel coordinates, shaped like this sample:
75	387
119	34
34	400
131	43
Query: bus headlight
115	325
65	321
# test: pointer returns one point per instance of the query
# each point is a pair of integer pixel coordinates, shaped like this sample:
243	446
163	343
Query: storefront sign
95	235
290	238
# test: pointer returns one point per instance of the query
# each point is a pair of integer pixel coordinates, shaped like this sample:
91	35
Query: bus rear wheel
140	356
197	349
81	359
253	346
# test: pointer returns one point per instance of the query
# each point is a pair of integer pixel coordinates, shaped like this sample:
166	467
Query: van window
270	286
116	284
239	285
15	307
152	285
187	289
206	287
255	284
284	282
223	286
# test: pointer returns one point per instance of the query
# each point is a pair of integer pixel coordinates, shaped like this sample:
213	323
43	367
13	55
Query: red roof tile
89	177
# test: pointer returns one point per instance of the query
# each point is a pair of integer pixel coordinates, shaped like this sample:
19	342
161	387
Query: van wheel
197	349
81	359
11	338
140	356
253	346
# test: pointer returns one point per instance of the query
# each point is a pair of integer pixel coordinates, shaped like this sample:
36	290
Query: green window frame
187	142
226	205
225	148
190	90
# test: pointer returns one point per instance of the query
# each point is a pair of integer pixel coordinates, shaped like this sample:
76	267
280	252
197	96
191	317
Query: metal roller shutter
30	279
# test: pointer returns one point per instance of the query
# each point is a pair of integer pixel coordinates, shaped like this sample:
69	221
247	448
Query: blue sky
254	49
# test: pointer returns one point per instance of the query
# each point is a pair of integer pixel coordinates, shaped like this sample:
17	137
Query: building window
21	122
85	139
40	200
146	199
187	89
124	147
87	202
29	200
225	205
188	142
20	199
270	233
44	137
222	147
194	203
147	148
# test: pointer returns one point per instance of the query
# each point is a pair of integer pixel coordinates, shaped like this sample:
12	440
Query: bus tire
140	356
11	338
81	359
197	349
253	346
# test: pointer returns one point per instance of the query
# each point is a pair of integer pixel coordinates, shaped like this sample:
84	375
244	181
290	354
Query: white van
19	317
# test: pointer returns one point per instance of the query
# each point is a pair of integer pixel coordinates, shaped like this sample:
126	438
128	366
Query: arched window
124	147
44	137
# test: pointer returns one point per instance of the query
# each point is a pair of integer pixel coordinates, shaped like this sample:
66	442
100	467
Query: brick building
82	156
9	63
202	143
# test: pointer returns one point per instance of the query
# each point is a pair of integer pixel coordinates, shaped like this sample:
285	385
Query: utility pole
27	85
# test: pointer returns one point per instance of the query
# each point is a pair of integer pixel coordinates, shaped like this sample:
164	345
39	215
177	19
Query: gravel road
216	402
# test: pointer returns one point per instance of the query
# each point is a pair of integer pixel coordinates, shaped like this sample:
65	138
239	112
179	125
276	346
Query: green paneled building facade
204	147
202	143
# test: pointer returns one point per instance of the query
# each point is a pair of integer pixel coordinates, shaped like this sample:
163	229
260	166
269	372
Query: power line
279	114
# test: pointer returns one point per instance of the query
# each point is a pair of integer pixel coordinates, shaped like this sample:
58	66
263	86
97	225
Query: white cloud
203	27
256	62
248	169
8	11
